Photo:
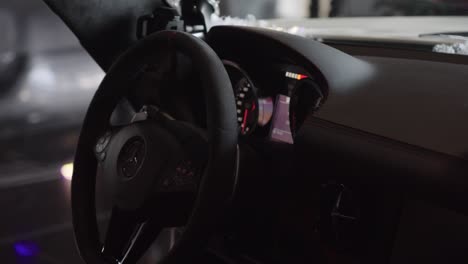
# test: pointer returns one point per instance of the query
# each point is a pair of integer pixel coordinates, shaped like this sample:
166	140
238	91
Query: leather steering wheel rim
218	181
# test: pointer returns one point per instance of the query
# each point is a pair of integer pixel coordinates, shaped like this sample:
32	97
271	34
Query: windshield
265	9
429	25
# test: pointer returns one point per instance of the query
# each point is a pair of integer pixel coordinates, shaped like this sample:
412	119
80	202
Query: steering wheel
161	172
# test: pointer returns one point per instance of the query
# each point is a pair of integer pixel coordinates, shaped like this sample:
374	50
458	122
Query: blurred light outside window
293	9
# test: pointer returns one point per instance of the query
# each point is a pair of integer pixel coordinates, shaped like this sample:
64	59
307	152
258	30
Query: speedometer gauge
251	110
247	106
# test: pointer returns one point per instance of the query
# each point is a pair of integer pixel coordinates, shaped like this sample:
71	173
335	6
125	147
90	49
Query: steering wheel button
99	148
101	156
102	142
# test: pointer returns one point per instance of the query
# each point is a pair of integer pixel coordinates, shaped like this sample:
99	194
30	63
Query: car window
47	81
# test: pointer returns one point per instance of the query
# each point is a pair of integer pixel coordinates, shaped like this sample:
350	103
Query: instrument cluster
274	102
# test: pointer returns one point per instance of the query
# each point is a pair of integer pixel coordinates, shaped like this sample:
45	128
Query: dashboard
388	127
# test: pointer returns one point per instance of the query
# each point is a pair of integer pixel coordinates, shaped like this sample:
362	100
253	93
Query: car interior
203	143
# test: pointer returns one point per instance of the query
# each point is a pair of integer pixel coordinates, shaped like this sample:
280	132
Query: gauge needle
246	112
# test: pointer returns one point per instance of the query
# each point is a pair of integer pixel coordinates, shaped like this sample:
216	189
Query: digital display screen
281	130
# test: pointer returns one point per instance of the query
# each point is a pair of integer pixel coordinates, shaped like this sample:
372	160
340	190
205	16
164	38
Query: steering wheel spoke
130	233
123	113
128	236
